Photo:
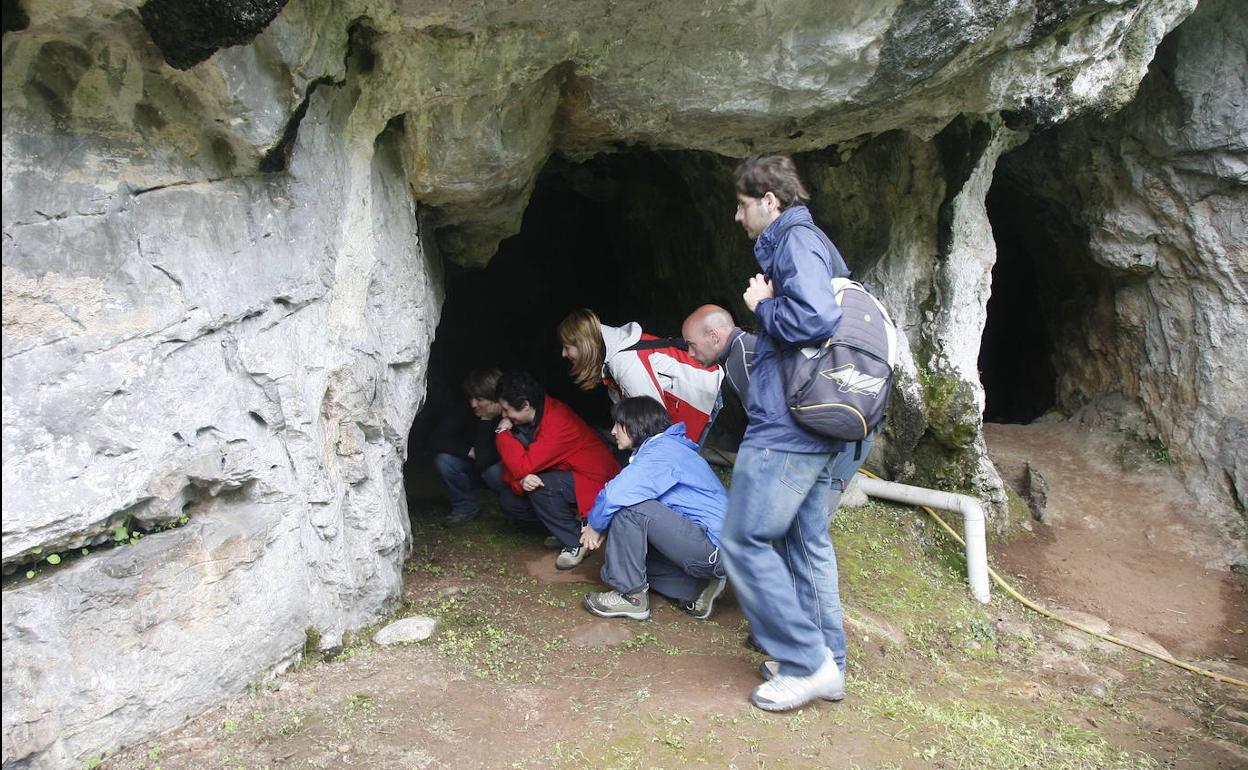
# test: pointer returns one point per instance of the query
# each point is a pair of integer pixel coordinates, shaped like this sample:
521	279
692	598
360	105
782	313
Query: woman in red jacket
553	458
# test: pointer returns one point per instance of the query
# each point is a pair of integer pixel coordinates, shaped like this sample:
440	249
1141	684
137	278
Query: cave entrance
637	235
1016	363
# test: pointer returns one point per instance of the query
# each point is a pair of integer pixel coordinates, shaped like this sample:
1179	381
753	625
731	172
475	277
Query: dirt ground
518	675
1122	540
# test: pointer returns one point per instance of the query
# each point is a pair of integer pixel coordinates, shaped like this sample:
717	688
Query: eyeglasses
742	204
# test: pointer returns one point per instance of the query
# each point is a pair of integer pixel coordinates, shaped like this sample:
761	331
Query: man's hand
503	424
530	483
591	538
758	290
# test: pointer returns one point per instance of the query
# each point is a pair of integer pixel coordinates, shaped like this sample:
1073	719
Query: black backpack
840	389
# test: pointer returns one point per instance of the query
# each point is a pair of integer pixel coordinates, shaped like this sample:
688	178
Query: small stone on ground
413	629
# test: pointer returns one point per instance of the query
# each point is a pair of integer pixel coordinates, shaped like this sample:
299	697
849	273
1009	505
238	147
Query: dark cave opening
638	235
1016	362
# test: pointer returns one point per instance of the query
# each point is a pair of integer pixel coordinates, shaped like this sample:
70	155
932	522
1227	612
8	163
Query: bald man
714	339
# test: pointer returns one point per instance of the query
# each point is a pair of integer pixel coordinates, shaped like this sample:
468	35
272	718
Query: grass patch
963	733
893	562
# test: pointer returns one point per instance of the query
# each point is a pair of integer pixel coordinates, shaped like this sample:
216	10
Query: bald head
707	330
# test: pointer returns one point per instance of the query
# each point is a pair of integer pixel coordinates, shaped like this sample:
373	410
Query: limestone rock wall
221	274
187	337
1155	202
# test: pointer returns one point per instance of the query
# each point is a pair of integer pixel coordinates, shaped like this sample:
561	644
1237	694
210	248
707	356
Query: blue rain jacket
801	265
667	468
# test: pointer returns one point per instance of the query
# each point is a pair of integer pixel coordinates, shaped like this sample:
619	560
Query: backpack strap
660	342
834	254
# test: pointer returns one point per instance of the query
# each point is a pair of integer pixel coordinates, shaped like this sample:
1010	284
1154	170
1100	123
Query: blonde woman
632	363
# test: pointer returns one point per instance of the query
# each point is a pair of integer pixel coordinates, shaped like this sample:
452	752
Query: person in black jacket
465	455
714	338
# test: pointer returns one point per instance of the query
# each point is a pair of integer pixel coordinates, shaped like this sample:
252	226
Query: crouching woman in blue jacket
659	518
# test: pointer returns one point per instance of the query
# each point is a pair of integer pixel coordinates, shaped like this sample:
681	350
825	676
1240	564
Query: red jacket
563	442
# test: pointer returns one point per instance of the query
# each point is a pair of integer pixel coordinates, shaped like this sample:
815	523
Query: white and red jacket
665	373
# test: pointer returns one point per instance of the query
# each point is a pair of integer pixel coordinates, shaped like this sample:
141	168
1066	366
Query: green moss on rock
952	413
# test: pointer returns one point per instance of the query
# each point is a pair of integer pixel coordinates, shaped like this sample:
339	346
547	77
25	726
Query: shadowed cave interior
646	236
1015	355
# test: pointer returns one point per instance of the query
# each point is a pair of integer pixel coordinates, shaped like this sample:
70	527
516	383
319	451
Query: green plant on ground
964	733
293	722
638	641
359	644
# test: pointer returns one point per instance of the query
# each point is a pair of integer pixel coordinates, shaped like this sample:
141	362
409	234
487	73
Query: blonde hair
583	331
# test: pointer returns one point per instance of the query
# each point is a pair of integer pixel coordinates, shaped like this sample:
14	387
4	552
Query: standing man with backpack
779	553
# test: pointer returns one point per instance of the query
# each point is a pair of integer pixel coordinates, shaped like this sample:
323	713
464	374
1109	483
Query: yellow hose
1037	608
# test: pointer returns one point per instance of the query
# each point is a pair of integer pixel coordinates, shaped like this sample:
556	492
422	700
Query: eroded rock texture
221	269
184	336
1144	221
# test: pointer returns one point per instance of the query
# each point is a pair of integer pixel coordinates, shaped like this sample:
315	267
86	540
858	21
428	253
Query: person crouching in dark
551	459
466	457
661	518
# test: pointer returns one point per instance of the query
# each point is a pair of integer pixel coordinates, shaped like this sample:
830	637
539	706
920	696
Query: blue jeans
779	553
462	481
650	543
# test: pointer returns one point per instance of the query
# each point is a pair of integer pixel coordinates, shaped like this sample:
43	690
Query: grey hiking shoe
571	556
782	693
613	604
702	606
454	519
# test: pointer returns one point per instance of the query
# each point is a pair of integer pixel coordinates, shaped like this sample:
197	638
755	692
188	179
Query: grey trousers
651	543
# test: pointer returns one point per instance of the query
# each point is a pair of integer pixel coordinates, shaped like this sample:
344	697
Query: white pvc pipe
972	520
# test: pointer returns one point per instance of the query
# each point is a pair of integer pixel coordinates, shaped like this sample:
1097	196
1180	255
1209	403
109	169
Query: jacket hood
765	246
675	432
616	338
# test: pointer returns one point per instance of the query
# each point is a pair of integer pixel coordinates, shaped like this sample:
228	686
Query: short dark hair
483	383
776	174
518	388
641	417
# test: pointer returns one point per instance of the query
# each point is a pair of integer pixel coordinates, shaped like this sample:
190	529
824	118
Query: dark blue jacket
801	264
666	468
736	360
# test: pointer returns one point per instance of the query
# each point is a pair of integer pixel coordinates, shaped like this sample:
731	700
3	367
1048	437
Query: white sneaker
570	557
782	693
770	669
